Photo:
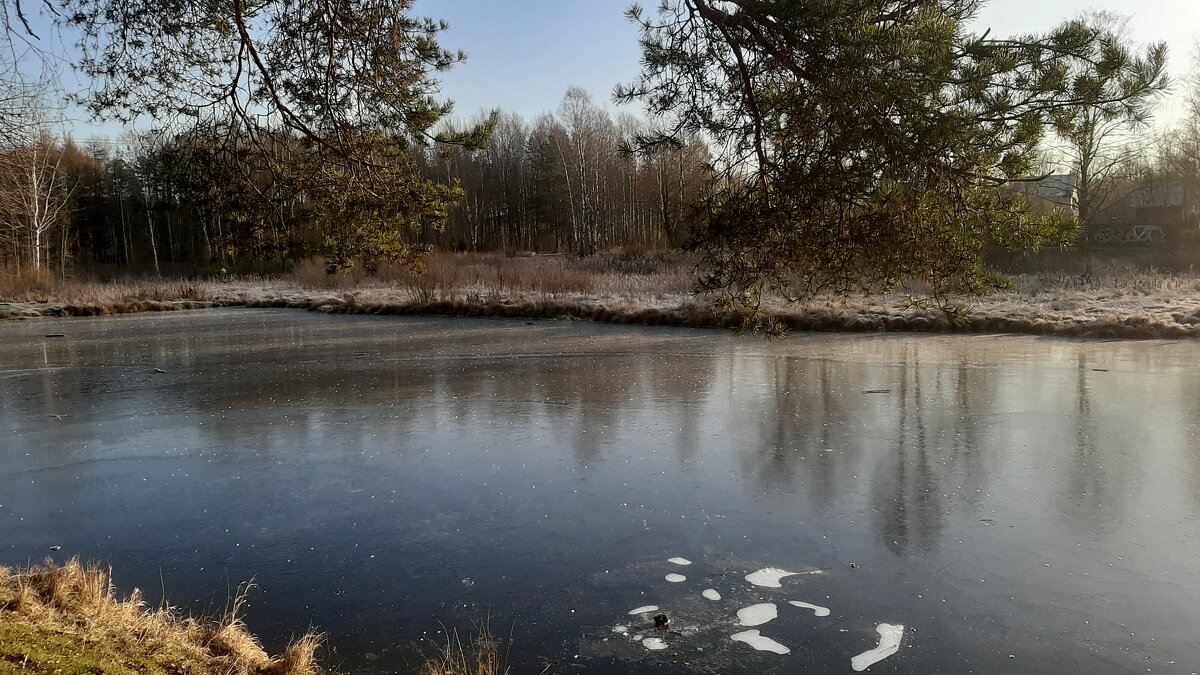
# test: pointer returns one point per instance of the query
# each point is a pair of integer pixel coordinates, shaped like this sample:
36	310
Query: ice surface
817	609
757	615
769	577
890	636
654	644
760	642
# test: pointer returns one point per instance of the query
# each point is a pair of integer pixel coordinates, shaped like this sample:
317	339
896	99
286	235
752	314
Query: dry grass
313	274
451	276
1093	297
480	656
68	619
44	287
28	285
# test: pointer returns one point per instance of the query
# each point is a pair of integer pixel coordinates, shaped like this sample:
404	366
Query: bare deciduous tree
35	197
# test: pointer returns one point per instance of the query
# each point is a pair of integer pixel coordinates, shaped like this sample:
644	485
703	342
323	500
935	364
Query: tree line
569	181
799	146
572	181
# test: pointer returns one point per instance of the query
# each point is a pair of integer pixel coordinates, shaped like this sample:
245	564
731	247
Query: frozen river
998	504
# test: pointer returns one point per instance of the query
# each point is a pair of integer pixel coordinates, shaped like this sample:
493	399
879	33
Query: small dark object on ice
1100	370
56	335
159	370
55	548
359	354
662	621
528	323
853	566
878	391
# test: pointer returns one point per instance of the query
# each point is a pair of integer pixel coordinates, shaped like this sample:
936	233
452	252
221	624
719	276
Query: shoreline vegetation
1095	298
68	619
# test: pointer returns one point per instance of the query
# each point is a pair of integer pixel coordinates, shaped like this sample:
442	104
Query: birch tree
35	198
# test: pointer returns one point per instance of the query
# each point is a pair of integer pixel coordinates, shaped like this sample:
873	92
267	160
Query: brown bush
313	273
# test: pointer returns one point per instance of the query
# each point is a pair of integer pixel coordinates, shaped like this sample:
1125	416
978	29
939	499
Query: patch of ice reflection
760	642
769	577
679	561
644	609
676	578
654	644
757	615
817	609
890	636
711	594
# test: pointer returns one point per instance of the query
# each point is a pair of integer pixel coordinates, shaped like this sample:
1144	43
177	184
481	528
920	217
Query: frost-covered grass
1107	300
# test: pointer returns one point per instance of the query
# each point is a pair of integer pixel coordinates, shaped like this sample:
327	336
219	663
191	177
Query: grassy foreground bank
67	619
1104	299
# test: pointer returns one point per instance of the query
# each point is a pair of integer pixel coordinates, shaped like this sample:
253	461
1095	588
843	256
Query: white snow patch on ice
817	609
711	594
757	615
644	609
769	577
890	636
654	644
676	578
679	561
760	642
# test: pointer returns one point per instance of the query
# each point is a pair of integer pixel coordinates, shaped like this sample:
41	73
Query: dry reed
480	656
67	618
1093	297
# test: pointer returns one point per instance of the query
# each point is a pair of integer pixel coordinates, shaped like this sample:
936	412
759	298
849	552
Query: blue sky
523	54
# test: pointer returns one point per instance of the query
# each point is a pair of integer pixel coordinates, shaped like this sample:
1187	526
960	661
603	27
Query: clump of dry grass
480	656
167	290
314	274
28	285
67	618
449	276
41	286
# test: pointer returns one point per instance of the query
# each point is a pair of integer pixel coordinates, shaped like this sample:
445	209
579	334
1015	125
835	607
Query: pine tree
868	142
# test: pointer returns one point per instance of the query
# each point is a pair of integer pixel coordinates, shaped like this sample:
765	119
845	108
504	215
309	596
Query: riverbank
645	289
67	619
